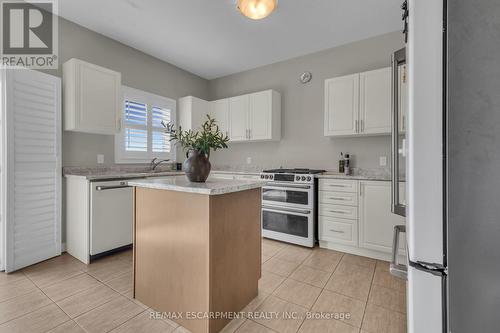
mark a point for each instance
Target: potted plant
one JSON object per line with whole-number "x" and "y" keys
{"x": 197, "y": 145}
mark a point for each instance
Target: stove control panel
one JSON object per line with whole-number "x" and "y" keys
{"x": 288, "y": 177}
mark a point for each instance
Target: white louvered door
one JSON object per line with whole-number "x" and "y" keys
{"x": 32, "y": 172}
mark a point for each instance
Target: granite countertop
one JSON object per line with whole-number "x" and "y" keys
{"x": 212, "y": 186}
{"x": 101, "y": 173}
{"x": 143, "y": 171}
{"x": 337, "y": 175}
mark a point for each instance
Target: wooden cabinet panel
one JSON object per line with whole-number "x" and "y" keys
{"x": 338, "y": 230}
{"x": 375, "y": 102}
{"x": 376, "y": 222}
{"x": 238, "y": 117}
{"x": 342, "y": 105}
{"x": 338, "y": 198}
{"x": 340, "y": 211}
{"x": 261, "y": 115}
{"x": 219, "y": 110}
{"x": 92, "y": 98}
{"x": 338, "y": 185}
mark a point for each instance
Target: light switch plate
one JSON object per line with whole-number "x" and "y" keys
{"x": 383, "y": 160}
{"x": 249, "y": 160}
{"x": 100, "y": 158}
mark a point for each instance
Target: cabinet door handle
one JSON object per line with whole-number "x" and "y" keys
{"x": 336, "y": 185}
{"x": 335, "y": 198}
{"x": 362, "y": 125}
{"x": 357, "y": 126}
{"x": 337, "y": 231}
{"x": 337, "y": 211}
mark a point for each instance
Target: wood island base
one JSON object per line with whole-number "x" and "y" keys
{"x": 196, "y": 254}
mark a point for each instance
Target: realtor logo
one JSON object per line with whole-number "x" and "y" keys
{"x": 29, "y": 34}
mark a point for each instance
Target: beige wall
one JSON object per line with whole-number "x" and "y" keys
{"x": 303, "y": 143}
{"x": 138, "y": 69}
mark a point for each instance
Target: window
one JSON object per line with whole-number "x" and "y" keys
{"x": 142, "y": 136}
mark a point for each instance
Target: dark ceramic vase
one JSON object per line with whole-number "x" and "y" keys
{"x": 196, "y": 166}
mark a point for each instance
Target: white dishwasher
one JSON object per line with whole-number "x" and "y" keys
{"x": 111, "y": 216}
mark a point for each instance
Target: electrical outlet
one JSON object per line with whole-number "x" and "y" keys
{"x": 100, "y": 158}
{"x": 383, "y": 160}
{"x": 249, "y": 160}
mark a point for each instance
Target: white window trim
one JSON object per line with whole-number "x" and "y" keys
{"x": 121, "y": 156}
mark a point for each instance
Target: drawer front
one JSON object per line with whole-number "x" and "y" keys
{"x": 338, "y": 198}
{"x": 338, "y": 231}
{"x": 338, "y": 185}
{"x": 340, "y": 211}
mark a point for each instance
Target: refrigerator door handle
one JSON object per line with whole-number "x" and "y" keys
{"x": 397, "y": 269}
{"x": 397, "y": 59}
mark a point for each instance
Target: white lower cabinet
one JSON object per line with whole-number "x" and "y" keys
{"x": 338, "y": 230}
{"x": 358, "y": 218}
{"x": 376, "y": 221}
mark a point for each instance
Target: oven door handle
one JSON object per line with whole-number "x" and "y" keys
{"x": 285, "y": 185}
{"x": 286, "y": 210}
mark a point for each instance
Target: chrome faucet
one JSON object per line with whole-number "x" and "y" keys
{"x": 155, "y": 162}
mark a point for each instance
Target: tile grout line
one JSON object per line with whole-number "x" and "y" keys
{"x": 346, "y": 323}
{"x": 126, "y": 321}
{"x": 50, "y": 299}
{"x": 29, "y": 311}
{"x": 80, "y": 291}
{"x": 273, "y": 330}
{"x": 368, "y": 298}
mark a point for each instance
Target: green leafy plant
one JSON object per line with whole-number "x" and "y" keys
{"x": 209, "y": 137}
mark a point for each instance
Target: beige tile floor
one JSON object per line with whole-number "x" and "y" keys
{"x": 63, "y": 295}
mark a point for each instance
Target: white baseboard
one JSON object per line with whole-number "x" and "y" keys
{"x": 359, "y": 251}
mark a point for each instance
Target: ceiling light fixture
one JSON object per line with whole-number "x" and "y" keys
{"x": 256, "y": 9}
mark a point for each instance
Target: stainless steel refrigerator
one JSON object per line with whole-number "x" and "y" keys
{"x": 449, "y": 156}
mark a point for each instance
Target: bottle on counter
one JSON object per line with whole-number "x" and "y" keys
{"x": 341, "y": 163}
{"x": 347, "y": 171}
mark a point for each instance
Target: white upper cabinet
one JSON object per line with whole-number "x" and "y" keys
{"x": 250, "y": 117}
{"x": 92, "y": 98}
{"x": 219, "y": 110}
{"x": 376, "y": 222}
{"x": 239, "y": 108}
{"x": 375, "y": 101}
{"x": 192, "y": 112}
{"x": 358, "y": 104}
{"x": 341, "y": 105}
{"x": 265, "y": 116}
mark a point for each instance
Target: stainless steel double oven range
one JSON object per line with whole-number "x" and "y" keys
{"x": 289, "y": 205}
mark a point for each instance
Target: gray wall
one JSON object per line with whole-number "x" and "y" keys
{"x": 303, "y": 143}
{"x": 138, "y": 69}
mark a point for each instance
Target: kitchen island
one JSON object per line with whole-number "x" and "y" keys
{"x": 197, "y": 248}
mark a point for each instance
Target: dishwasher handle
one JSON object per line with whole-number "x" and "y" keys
{"x": 111, "y": 187}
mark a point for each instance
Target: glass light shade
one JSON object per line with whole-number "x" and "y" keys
{"x": 256, "y": 9}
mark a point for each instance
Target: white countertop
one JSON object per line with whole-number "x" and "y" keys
{"x": 123, "y": 175}
{"x": 338, "y": 175}
{"x": 95, "y": 174}
{"x": 212, "y": 186}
